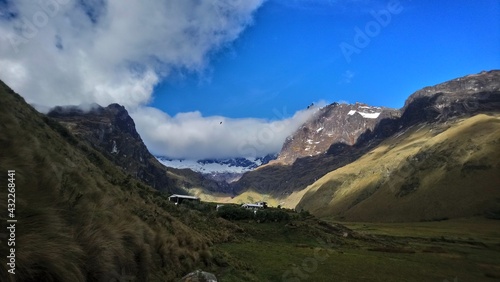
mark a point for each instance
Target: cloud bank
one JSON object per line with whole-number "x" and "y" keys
{"x": 192, "y": 136}
{"x": 69, "y": 52}
{"x": 58, "y": 52}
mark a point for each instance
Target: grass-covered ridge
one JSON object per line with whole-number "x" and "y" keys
{"x": 428, "y": 172}
{"x": 80, "y": 218}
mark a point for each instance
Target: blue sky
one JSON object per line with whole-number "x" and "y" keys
{"x": 181, "y": 67}
{"x": 291, "y": 57}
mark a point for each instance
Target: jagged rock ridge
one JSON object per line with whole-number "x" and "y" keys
{"x": 335, "y": 123}
{"x": 458, "y": 97}
{"x": 112, "y": 131}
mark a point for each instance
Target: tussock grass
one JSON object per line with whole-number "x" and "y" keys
{"x": 80, "y": 218}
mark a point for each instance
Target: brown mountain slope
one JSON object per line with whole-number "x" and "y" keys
{"x": 428, "y": 172}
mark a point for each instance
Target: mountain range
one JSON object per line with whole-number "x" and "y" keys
{"x": 439, "y": 108}
{"x": 91, "y": 202}
{"x": 221, "y": 170}
{"x": 336, "y": 137}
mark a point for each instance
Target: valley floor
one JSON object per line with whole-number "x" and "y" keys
{"x": 451, "y": 250}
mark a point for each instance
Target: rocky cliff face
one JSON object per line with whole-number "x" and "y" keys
{"x": 335, "y": 123}
{"x": 112, "y": 131}
{"x": 460, "y": 97}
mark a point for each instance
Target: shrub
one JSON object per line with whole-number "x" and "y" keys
{"x": 272, "y": 215}
{"x": 203, "y": 207}
{"x": 234, "y": 213}
{"x": 261, "y": 215}
{"x": 304, "y": 214}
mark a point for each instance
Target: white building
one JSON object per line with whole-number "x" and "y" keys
{"x": 180, "y": 198}
{"x": 259, "y": 205}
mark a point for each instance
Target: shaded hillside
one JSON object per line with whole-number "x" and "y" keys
{"x": 112, "y": 131}
{"x": 438, "y": 104}
{"x": 428, "y": 172}
{"x": 80, "y": 218}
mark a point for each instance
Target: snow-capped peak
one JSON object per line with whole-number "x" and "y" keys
{"x": 214, "y": 166}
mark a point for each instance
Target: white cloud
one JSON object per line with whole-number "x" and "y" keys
{"x": 69, "y": 52}
{"x": 57, "y": 52}
{"x": 192, "y": 136}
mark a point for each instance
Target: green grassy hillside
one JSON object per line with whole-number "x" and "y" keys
{"x": 80, "y": 218}
{"x": 428, "y": 172}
